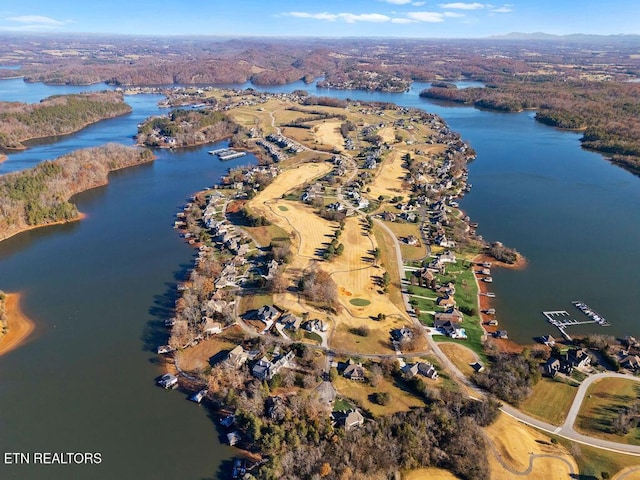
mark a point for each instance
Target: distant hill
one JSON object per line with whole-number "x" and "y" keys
{"x": 574, "y": 37}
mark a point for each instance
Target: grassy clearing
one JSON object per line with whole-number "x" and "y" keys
{"x": 200, "y": 357}
{"x": 378, "y": 340}
{"x": 402, "y": 230}
{"x": 253, "y": 302}
{"x": 388, "y": 258}
{"x": 460, "y": 356}
{"x": 283, "y": 208}
{"x": 361, "y": 392}
{"x": 265, "y": 235}
{"x": 550, "y": 401}
{"x": 592, "y": 461}
{"x": 606, "y": 399}
{"x": 516, "y": 442}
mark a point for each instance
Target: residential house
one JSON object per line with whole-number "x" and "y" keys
{"x": 316, "y": 325}
{"x": 427, "y": 370}
{"x": 631, "y": 362}
{"x": 411, "y": 240}
{"x": 403, "y": 334}
{"x": 290, "y": 321}
{"x": 354, "y": 371}
{"x": 349, "y": 419}
{"x": 446, "y": 301}
{"x": 577, "y": 358}
{"x": 237, "y": 357}
{"x": 267, "y": 314}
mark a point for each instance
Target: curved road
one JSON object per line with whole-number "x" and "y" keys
{"x": 566, "y": 430}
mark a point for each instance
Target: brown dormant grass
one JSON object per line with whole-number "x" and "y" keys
{"x": 515, "y": 442}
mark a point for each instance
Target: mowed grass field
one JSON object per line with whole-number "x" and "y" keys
{"x": 550, "y": 401}
{"x": 288, "y": 180}
{"x": 361, "y": 392}
{"x": 198, "y": 358}
{"x": 515, "y": 442}
{"x": 388, "y": 181}
{"x": 606, "y": 399}
{"x": 460, "y": 355}
{"x": 403, "y": 230}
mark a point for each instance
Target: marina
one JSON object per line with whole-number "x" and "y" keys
{"x": 561, "y": 319}
{"x": 225, "y": 154}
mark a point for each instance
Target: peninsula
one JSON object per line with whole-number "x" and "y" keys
{"x": 57, "y": 115}
{"x": 40, "y": 196}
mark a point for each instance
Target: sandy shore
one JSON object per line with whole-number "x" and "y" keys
{"x": 20, "y": 327}
{"x": 81, "y": 216}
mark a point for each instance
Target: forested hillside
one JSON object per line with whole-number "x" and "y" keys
{"x": 57, "y": 115}
{"x": 185, "y": 128}
{"x": 607, "y": 112}
{"x": 40, "y": 196}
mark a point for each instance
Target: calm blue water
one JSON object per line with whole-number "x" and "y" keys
{"x": 98, "y": 289}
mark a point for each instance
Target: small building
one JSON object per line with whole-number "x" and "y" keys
{"x": 477, "y": 367}
{"x": 548, "y": 340}
{"x": 501, "y": 334}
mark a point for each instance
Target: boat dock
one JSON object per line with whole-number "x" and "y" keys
{"x": 561, "y": 319}
{"x": 227, "y": 153}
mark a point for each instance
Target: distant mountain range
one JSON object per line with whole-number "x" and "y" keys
{"x": 575, "y": 37}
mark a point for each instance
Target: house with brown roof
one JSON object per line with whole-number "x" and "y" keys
{"x": 354, "y": 371}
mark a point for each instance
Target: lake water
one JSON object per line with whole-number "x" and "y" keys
{"x": 99, "y": 289}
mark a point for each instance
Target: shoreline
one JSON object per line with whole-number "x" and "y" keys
{"x": 20, "y": 326}
{"x": 485, "y": 303}
{"x": 81, "y": 216}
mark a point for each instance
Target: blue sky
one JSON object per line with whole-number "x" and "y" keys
{"x": 328, "y": 18}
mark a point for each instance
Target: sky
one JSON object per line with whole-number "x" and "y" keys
{"x": 327, "y": 18}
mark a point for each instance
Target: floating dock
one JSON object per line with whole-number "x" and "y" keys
{"x": 227, "y": 153}
{"x": 561, "y": 319}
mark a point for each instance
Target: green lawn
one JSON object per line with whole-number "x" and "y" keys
{"x": 466, "y": 295}
{"x": 606, "y": 399}
{"x": 592, "y": 461}
{"x": 550, "y": 401}
{"x": 359, "y": 302}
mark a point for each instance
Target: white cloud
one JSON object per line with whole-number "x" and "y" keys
{"x": 402, "y": 20}
{"x": 347, "y": 17}
{"x": 38, "y": 20}
{"x": 463, "y": 6}
{"x": 418, "y": 4}
{"x": 503, "y": 9}
{"x": 316, "y": 16}
{"x": 429, "y": 17}
{"x": 453, "y": 14}
{"x": 397, "y": 2}
{"x": 364, "y": 17}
